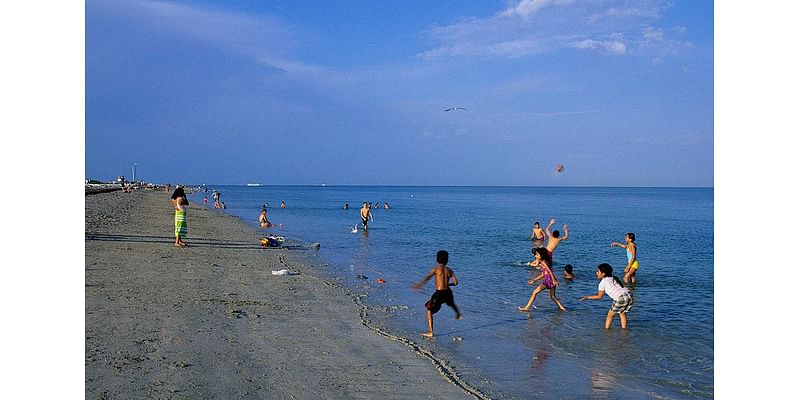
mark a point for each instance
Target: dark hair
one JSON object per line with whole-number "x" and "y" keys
{"x": 631, "y": 235}
{"x": 568, "y": 268}
{"x": 179, "y": 193}
{"x": 442, "y": 256}
{"x": 544, "y": 254}
{"x": 536, "y": 223}
{"x": 608, "y": 271}
{"x": 556, "y": 233}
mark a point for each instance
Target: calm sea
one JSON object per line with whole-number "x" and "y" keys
{"x": 668, "y": 350}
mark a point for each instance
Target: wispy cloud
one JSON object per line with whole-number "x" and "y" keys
{"x": 532, "y": 27}
{"x": 265, "y": 39}
{"x": 608, "y": 46}
{"x": 526, "y": 8}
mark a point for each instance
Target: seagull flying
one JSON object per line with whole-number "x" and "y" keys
{"x": 455, "y": 108}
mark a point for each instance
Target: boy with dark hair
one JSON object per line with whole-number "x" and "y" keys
{"x": 568, "y": 272}
{"x": 443, "y": 295}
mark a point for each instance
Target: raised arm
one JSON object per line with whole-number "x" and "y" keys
{"x": 566, "y": 233}
{"x": 550, "y": 225}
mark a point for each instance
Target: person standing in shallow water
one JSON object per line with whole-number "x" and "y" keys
{"x": 180, "y": 203}
{"x": 366, "y": 214}
{"x": 611, "y": 285}
{"x": 537, "y": 235}
{"x": 630, "y": 251}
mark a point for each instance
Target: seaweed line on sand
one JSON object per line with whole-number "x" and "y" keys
{"x": 446, "y": 371}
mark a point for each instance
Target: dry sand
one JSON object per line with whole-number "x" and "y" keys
{"x": 211, "y": 321}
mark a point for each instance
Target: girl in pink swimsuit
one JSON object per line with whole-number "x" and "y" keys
{"x": 543, "y": 261}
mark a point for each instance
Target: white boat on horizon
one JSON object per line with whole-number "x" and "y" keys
{"x": 254, "y": 184}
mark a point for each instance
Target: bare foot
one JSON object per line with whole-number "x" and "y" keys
{"x": 459, "y": 316}
{"x": 523, "y": 309}
{"x": 428, "y": 334}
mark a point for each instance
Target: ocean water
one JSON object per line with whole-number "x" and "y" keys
{"x": 668, "y": 350}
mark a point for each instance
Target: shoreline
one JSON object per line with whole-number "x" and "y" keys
{"x": 211, "y": 320}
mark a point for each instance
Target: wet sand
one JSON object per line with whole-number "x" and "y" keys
{"x": 211, "y": 321}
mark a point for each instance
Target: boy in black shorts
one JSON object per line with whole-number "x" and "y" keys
{"x": 443, "y": 294}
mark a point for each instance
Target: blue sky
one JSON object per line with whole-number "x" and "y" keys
{"x": 284, "y": 92}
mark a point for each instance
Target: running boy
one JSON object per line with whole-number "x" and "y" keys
{"x": 633, "y": 263}
{"x": 443, "y": 294}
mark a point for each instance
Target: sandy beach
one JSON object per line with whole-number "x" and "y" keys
{"x": 211, "y": 320}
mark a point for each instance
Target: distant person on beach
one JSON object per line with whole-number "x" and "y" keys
{"x": 443, "y": 295}
{"x": 215, "y": 196}
{"x": 205, "y": 200}
{"x": 222, "y": 205}
{"x": 283, "y": 204}
{"x": 180, "y": 202}
{"x": 568, "y": 275}
{"x": 630, "y": 251}
{"x": 543, "y": 261}
{"x": 262, "y": 218}
{"x": 366, "y": 215}
{"x": 554, "y": 237}
{"x": 611, "y": 285}
{"x": 537, "y": 235}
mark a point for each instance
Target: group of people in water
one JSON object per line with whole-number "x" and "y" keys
{"x": 545, "y": 243}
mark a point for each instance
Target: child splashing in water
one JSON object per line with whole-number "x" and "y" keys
{"x": 543, "y": 261}
{"x": 611, "y": 285}
{"x": 443, "y": 276}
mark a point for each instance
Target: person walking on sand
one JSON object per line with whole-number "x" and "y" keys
{"x": 366, "y": 215}
{"x": 537, "y": 234}
{"x": 180, "y": 202}
{"x": 630, "y": 250}
{"x": 554, "y": 237}
{"x": 543, "y": 261}
{"x": 443, "y": 295}
{"x": 610, "y": 284}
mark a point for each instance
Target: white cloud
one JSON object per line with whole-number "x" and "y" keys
{"x": 613, "y": 12}
{"x": 651, "y": 33}
{"x": 610, "y": 46}
{"x": 533, "y": 27}
{"x": 526, "y": 8}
